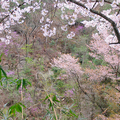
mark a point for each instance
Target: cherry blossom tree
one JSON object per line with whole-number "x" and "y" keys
{"x": 111, "y": 55}
{"x": 102, "y": 20}
{"x": 107, "y": 20}
{"x": 69, "y": 64}
{"x": 107, "y": 23}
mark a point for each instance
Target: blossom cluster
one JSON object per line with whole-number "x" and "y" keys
{"x": 110, "y": 55}
{"x": 69, "y": 63}
{"x": 71, "y": 35}
{"x": 99, "y": 73}
{"x": 47, "y": 32}
{"x": 14, "y": 16}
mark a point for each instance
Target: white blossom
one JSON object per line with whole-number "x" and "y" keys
{"x": 71, "y": 22}
{"x": 8, "y": 37}
{"x": 7, "y": 42}
{"x": 42, "y": 19}
{"x": 62, "y": 16}
{"x": 44, "y": 12}
{"x": 20, "y": 22}
{"x": 5, "y": 5}
{"x": 66, "y": 17}
{"x": 2, "y": 39}
{"x": 71, "y": 35}
{"x": 101, "y": 3}
{"x": 49, "y": 21}
{"x": 64, "y": 28}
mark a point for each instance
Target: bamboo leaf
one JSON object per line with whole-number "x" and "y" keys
{"x": 18, "y": 108}
{"x": 4, "y": 73}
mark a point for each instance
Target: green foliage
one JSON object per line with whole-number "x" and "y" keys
{"x": 106, "y": 7}
{"x": 17, "y": 107}
{"x": 71, "y": 47}
{"x": 100, "y": 61}
{"x": 12, "y": 4}
{"x": 83, "y": 54}
{"x": 66, "y": 111}
{"x": 56, "y": 71}
{"x": 97, "y": 61}
{"x": 79, "y": 20}
{"x": 28, "y": 47}
{"x": 52, "y": 99}
{"x": 69, "y": 112}
{"x": 29, "y": 60}
{"x": 60, "y": 86}
{"x": 106, "y": 81}
{"x": 118, "y": 82}
{"x": 22, "y": 82}
{"x": 1, "y": 56}
{"x": 42, "y": 67}
{"x": 2, "y": 72}
{"x": 52, "y": 43}
{"x": 41, "y": 63}
{"x": 27, "y": 70}
{"x": 5, "y": 114}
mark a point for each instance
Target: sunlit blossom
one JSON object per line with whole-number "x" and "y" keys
{"x": 114, "y": 4}
{"x": 20, "y": 22}
{"x": 55, "y": 4}
{"x": 1, "y": 27}
{"x": 63, "y": 9}
{"x": 69, "y": 63}
{"x": 101, "y": 3}
{"x": 2, "y": 39}
{"x": 42, "y": 19}
{"x": 64, "y": 28}
{"x": 72, "y": 22}
{"x": 7, "y": 42}
{"x": 49, "y": 21}
{"x": 74, "y": 16}
{"x": 62, "y": 16}
{"x": 44, "y": 12}
{"x": 8, "y": 37}
{"x": 71, "y": 35}
{"x": 5, "y": 5}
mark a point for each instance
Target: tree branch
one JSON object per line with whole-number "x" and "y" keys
{"x": 106, "y": 1}
{"x": 103, "y": 16}
{"x": 11, "y": 12}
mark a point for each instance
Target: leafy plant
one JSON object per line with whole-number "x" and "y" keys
{"x": 17, "y": 107}
{"x": 60, "y": 86}
{"x": 28, "y": 48}
{"x": 52, "y": 43}
{"x": 2, "y": 72}
{"x": 22, "y": 82}
{"x": 56, "y": 71}
{"x": 53, "y": 105}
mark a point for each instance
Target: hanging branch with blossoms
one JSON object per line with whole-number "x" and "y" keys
{"x": 106, "y": 22}
{"x": 105, "y": 15}
{"x": 14, "y": 15}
